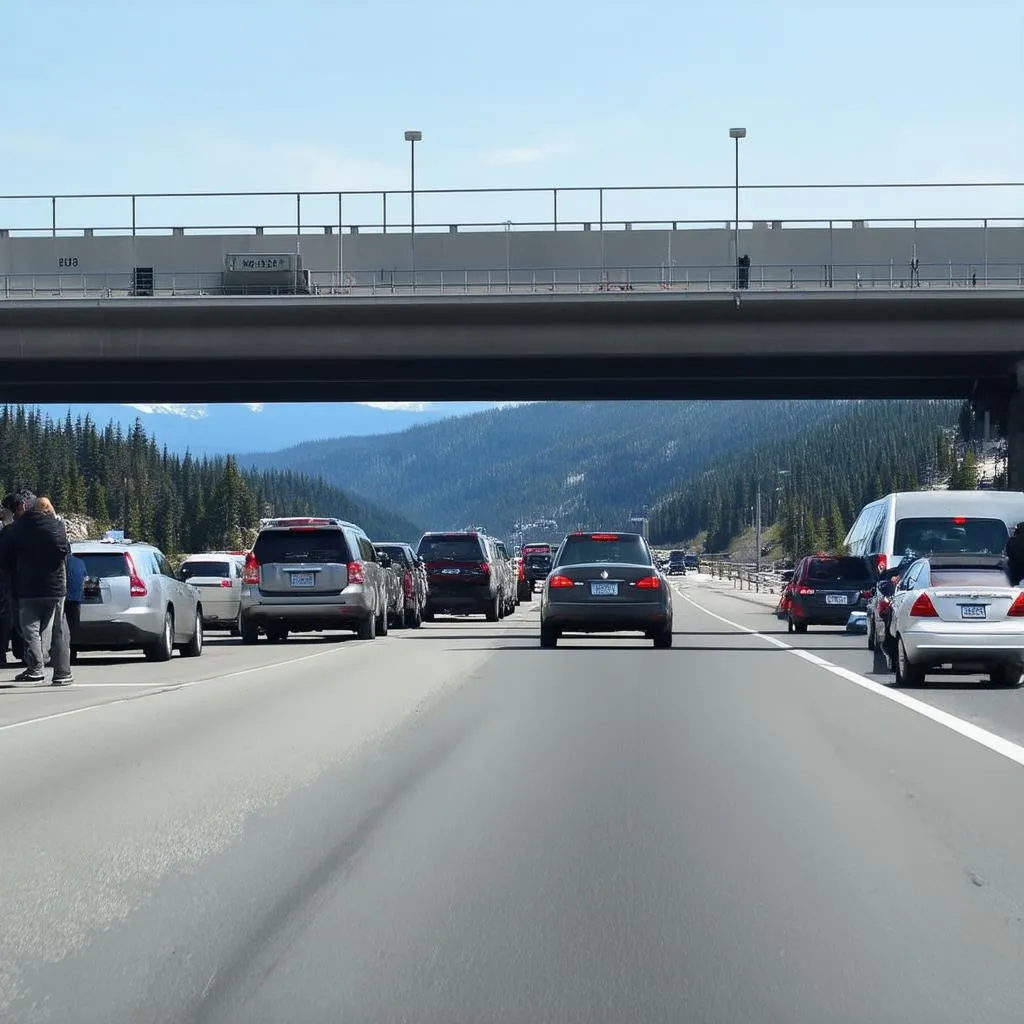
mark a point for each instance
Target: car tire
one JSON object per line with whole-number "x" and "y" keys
{"x": 871, "y": 632}
{"x": 250, "y": 632}
{"x": 493, "y": 612}
{"x": 382, "y": 622}
{"x": 548, "y": 637}
{"x": 401, "y": 619}
{"x": 1010, "y": 676}
{"x": 236, "y": 629}
{"x": 194, "y": 648}
{"x": 368, "y": 628}
{"x": 162, "y": 649}
{"x": 907, "y": 674}
{"x": 663, "y": 638}
{"x": 277, "y": 636}
{"x": 417, "y": 619}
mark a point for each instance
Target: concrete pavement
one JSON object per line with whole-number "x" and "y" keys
{"x": 453, "y": 825}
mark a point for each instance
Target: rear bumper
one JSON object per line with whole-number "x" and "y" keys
{"x": 837, "y": 615}
{"x": 349, "y": 611}
{"x": 963, "y": 648}
{"x": 467, "y": 599}
{"x": 113, "y": 635}
{"x": 606, "y": 618}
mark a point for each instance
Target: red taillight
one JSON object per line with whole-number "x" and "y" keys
{"x": 604, "y": 536}
{"x": 522, "y": 572}
{"x": 251, "y": 573}
{"x": 225, "y": 583}
{"x": 485, "y": 567}
{"x": 407, "y": 584}
{"x": 556, "y": 582}
{"x": 923, "y": 608}
{"x": 649, "y": 583}
{"x": 867, "y": 593}
{"x": 805, "y": 591}
{"x": 355, "y": 572}
{"x": 138, "y": 587}
{"x": 1017, "y": 608}
{"x": 881, "y": 563}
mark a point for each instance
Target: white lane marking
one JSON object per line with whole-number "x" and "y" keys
{"x": 997, "y": 744}
{"x": 166, "y": 687}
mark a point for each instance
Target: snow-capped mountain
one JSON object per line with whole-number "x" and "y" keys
{"x": 247, "y": 427}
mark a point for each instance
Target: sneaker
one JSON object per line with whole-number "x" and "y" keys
{"x": 62, "y": 680}
{"x": 29, "y": 677}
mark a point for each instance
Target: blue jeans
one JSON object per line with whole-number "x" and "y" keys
{"x": 43, "y": 629}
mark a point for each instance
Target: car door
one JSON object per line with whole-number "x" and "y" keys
{"x": 903, "y": 598}
{"x": 184, "y": 598}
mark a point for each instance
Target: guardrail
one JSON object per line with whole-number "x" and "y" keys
{"x": 509, "y": 281}
{"x": 550, "y": 208}
{"x": 767, "y": 581}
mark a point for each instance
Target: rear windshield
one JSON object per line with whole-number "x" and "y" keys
{"x": 839, "y": 570}
{"x": 303, "y": 545}
{"x": 969, "y": 578}
{"x": 538, "y": 558}
{"x": 948, "y": 536}
{"x": 455, "y": 548}
{"x": 103, "y": 566}
{"x": 396, "y": 551}
{"x": 627, "y": 549}
{"x": 221, "y": 570}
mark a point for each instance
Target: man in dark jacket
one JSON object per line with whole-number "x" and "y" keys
{"x": 6, "y": 594}
{"x": 33, "y": 551}
{"x": 1015, "y": 555}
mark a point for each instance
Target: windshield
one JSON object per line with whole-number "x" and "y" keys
{"x": 454, "y": 548}
{"x": 626, "y": 549}
{"x": 221, "y": 570}
{"x": 839, "y": 570}
{"x": 953, "y": 536}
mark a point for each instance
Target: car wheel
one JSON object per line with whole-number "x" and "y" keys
{"x": 907, "y": 674}
{"x": 663, "y": 638}
{"x": 871, "y": 632}
{"x": 382, "y": 623}
{"x": 417, "y": 618}
{"x": 249, "y": 630}
{"x": 401, "y": 619}
{"x": 277, "y": 636}
{"x": 236, "y": 629}
{"x": 194, "y": 648}
{"x": 368, "y": 628}
{"x": 494, "y": 611}
{"x": 1010, "y": 676}
{"x": 548, "y": 637}
{"x": 163, "y": 648}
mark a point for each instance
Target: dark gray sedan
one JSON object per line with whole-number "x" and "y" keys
{"x": 605, "y": 583}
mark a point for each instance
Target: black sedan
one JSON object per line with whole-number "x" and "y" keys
{"x": 605, "y": 583}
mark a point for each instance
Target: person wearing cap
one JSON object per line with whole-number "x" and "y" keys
{"x": 34, "y": 551}
{"x": 1015, "y": 555}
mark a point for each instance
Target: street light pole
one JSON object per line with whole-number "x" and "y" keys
{"x": 757, "y": 531}
{"x": 412, "y": 137}
{"x": 736, "y": 134}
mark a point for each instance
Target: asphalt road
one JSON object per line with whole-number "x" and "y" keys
{"x": 451, "y": 825}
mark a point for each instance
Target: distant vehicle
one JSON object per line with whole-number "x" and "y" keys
{"x": 536, "y": 563}
{"x": 311, "y": 573}
{"x": 605, "y": 583}
{"x": 414, "y": 580}
{"x": 524, "y": 589}
{"x": 464, "y": 575}
{"x": 218, "y": 577}
{"x": 692, "y": 561}
{"x": 677, "y": 563}
{"x": 134, "y": 600}
{"x": 825, "y": 589}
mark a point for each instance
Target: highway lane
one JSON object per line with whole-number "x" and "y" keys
{"x": 453, "y": 825}
{"x": 971, "y": 698}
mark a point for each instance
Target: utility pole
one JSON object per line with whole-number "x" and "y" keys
{"x": 757, "y": 530}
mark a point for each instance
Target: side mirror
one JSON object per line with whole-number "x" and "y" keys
{"x": 887, "y": 588}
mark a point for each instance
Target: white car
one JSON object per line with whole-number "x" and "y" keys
{"x": 960, "y": 611}
{"x": 218, "y": 578}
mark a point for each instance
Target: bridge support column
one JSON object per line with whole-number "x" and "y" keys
{"x": 1015, "y": 437}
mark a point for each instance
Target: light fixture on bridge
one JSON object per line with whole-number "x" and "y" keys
{"x": 412, "y": 137}
{"x": 736, "y": 134}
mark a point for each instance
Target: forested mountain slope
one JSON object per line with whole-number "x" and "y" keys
{"x": 579, "y": 463}
{"x": 180, "y": 503}
{"x": 815, "y": 480}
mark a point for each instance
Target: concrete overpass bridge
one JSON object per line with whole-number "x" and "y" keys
{"x": 598, "y": 309}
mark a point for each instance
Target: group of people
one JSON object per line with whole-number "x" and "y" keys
{"x": 41, "y": 589}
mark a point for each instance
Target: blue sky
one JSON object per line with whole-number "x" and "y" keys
{"x": 229, "y": 95}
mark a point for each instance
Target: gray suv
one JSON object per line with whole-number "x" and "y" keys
{"x": 310, "y": 574}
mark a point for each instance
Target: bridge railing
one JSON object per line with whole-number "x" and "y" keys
{"x": 889, "y": 276}
{"x": 746, "y": 577}
{"x": 557, "y": 208}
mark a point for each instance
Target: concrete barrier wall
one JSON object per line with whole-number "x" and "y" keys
{"x": 867, "y": 251}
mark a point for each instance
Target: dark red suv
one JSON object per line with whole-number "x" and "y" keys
{"x": 825, "y": 589}
{"x": 463, "y": 576}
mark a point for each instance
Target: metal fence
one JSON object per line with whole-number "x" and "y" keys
{"x": 558, "y": 208}
{"x": 746, "y": 577}
{"x": 850, "y": 278}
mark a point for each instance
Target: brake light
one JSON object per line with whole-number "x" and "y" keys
{"x": 1017, "y": 608}
{"x": 923, "y": 608}
{"x": 604, "y": 536}
{"x": 558, "y": 582}
{"x": 805, "y": 591}
{"x": 881, "y": 564}
{"x": 407, "y": 584}
{"x": 225, "y": 583}
{"x": 485, "y": 567}
{"x": 649, "y": 583}
{"x": 959, "y": 520}
{"x": 137, "y": 587}
{"x": 867, "y": 593}
{"x": 251, "y": 573}
{"x": 355, "y": 572}
{"x": 522, "y": 572}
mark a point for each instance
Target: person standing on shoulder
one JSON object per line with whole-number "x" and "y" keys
{"x": 7, "y": 612}
{"x": 34, "y": 551}
{"x": 74, "y": 570}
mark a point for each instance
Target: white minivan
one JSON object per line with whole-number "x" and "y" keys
{"x": 917, "y": 523}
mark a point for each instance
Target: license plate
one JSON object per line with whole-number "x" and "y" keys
{"x": 973, "y": 611}
{"x": 302, "y": 579}
{"x": 604, "y": 589}
{"x": 835, "y": 599}
{"x": 450, "y": 572}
